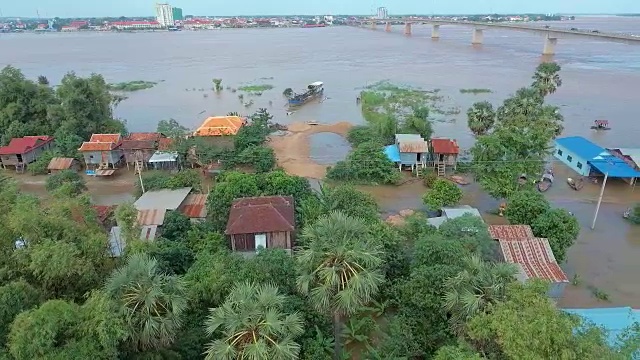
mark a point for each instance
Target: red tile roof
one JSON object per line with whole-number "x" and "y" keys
{"x": 25, "y": 144}
{"x": 534, "y": 257}
{"x": 261, "y": 215}
{"x": 445, "y": 146}
{"x": 510, "y": 232}
{"x": 101, "y": 142}
{"x": 138, "y": 144}
{"x": 103, "y": 212}
{"x": 194, "y": 206}
{"x": 60, "y": 163}
{"x": 144, "y": 136}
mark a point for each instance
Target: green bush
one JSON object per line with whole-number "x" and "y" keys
{"x": 429, "y": 178}
{"x": 367, "y": 163}
{"x": 262, "y": 158}
{"x": 361, "y": 134}
{"x": 39, "y": 167}
{"x": 70, "y": 181}
{"x": 443, "y": 193}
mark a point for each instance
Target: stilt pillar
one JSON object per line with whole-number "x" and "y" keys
{"x": 387, "y": 27}
{"x": 549, "y": 45}
{"x": 478, "y": 36}
{"x": 435, "y": 32}
{"x": 407, "y": 28}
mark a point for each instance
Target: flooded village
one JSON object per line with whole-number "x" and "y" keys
{"x": 524, "y": 177}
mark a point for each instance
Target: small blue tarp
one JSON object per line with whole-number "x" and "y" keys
{"x": 392, "y": 152}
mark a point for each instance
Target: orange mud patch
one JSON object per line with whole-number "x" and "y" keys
{"x": 292, "y": 149}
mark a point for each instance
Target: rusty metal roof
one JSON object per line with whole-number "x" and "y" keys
{"x": 261, "y": 215}
{"x": 445, "y": 146}
{"x": 194, "y": 206}
{"x": 534, "y": 258}
{"x": 411, "y": 143}
{"x": 510, "y": 232}
{"x": 151, "y": 217}
{"x": 60, "y": 163}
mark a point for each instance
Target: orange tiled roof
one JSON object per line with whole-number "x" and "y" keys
{"x": 220, "y": 125}
{"x": 101, "y": 142}
{"x": 510, "y": 232}
{"x": 534, "y": 257}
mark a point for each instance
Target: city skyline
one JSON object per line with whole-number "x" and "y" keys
{"x": 114, "y": 8}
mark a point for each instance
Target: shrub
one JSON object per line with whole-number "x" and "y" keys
{"x": 367, "y": 163}
{"x": 442, "y": 193}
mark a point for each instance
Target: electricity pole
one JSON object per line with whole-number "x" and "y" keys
{"x": 595, "y": 216}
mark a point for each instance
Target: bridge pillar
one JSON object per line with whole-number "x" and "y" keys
{"x": 478, "y": 36}
{"x": 549, "y": 45}
{"x": 407, "y": 28}
{"x": 373, "y": 25}
{"x": 387, "y": 27}
{"x": 435, "y": 32}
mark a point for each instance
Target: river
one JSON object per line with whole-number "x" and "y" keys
{"x": 600, "y": 81}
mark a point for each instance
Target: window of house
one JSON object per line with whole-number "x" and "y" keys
{"x": 569, "y": 158}
{"x": 559, "y": 152}
{"x": 579, "y": 165}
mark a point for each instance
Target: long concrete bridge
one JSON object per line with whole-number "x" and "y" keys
{"x": 551, "y": 35}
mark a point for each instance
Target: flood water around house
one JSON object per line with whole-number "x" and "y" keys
{"x": 327, "y": 148}
{"x": 600, "y": 81}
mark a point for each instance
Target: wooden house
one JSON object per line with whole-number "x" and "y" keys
{"x": 102, "y": 151}
{"x": 444, "y": 153}
{"x": 139, "y": 147}
{"x": 24, "y": 150}
{"x": 261, "y": 222}
{"x": 58, "y": 164}
{"x": 414, "y": 150}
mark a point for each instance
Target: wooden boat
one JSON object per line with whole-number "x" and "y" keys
{"x": 601, "y": 125}
{"x": 312, "y": 123}
{"x": 545, "y": 183}
{"x": 575, "y": 185}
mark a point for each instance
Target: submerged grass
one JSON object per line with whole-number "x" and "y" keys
{"x": 475, "y": 91}
{"x": 132, "y": 85}
{"x": 256, "y": 88}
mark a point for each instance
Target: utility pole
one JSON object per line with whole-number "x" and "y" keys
{"x": 595, "y": 216}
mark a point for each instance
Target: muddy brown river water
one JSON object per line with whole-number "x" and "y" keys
{"x": 600, "y": 81}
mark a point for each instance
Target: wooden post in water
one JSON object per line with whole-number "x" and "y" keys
{"x": 595, "y": 216}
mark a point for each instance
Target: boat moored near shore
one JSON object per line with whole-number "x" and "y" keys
{"x": 314, "y": 90}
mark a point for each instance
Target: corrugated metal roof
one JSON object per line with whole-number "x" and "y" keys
{"x": 445, "y": 146}
{"x": 411, "y": 143}
{"x": 452, "y": 213}
{"x": 261, "y": 215}
{"x": 194, "y": 206}
{"x": 510, "y": 232}
{"x": 162, "y": 199}
{"x": 164, "y": 156}
{"x": 534, "y": 258}
{"x": 581, "y": 147}
{"x": 632, "y": 153}
{"x": 138, "y": 144}
{"x": 151, "y": 217}
{"x": 148, "y": 232}
{"x": 25, "y": 144}
{"x": 614, "y": 320}
{"x": 60, "y": 163}
{"x": 144, "y": 136}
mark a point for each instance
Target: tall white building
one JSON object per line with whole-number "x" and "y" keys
{"x": 382, "y": 13}
{"x": 164, "y": 14}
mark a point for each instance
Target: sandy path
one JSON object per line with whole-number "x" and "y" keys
{"x": 292, "y": 149}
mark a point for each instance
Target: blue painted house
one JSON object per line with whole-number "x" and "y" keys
{"x": 589, "y": 159}
{"x": 414, "y": 150}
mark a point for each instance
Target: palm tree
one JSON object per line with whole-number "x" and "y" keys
{"x": 473, "y": 289}
{"x": 340, "y": 268}
{"x": 253, "y": 326}
{"x": 546, "y": 78}
{"x": 152, "y": 302}
{"x": 481, "y": 117}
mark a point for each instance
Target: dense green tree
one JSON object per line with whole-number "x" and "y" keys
{"x": 340, "y": 268}
{"x": 481, "y": 117}
{"x": 457, "y": 353}
{"x": 367, "y": 163}
{"x": 473, "y": 233}
{"x": 70, "y": 179}
{"x": 172, "y": 129}
{"x": 546, "y": 78}
{"x": 15, "y": 297}
{"x": 362, "y": 133}
{"x": 344, "y": 198}
{"x": 151, "y": 302}
{"x": 524, "y": 207}
{"x": 443, "y": 193}
{"x": 527, "y": 325}
{"x": 252, "y": 325}
{"x": 475, "y": 288}
{"x": 176, "y": 225}
{"x": 560, "y": 227}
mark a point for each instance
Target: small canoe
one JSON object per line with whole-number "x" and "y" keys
{"x": 600, "y": 128}
{"x": 543, "y": 185}
{"x": 575, "y": 185}
{"x": 313, "y": 123}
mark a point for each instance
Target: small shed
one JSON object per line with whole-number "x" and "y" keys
{"x": 534, "y": 259}
{"x": 261, "y": 222}
{"x": 444, "y": 152}
{"x": 58, "y": 164}
{"x": 165, "y": 160}
{"x": 414, "y": 150}
{"x": 102, "y": 151}
{"x": 25, "y": 150}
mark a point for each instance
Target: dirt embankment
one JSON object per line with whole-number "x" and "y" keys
{"x": 293, "y": 148}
